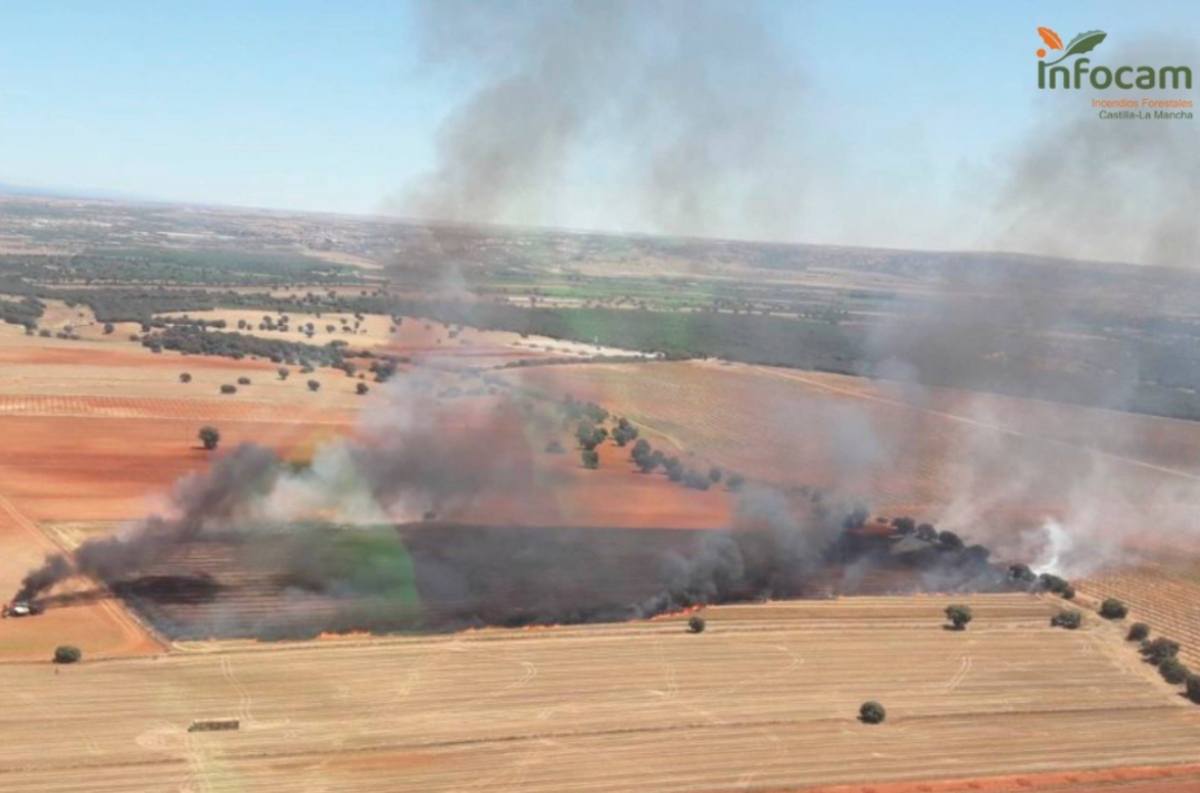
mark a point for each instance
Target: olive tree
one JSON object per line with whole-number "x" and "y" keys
{"x": 210, "y": 437}
{"x": 959, "y": 615}
{"x": 1113, "y": 609}
{"x": 871, "y": 713}
{"x": 67, "y": 654}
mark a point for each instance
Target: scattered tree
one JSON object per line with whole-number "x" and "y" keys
{"x": 959, "y": 615}
{"x": 696, "y": 624}
{"x": 1113, "y": 609}
{"x": 591, "y": 458}
{"x": 1067, "y": 618}
{"x": 283, "y": 372}
{"x": 554, "y": 447}
{"x": 1193, "y": 688}
{"x": 243, "y": 381}
{"x": 361, "y": 389}
{"x": 1021, "y": 573}
{"x": 228, "y": 389}
{"x": 184, "y": 377}
{"x": 1138, "y": 632}
{"x": 314, "y": 385}
{"x": 735, "y": 482}
{"x": 949, "y": 541}
{"x": 1156, "y": 651}
{"x": 674, "y": 468}
{"x": 210, "y": 437}
{"x": 927, "y": 532}
{"x": 624, "y": 432}
{"x": 904, "y": 525}
{"x": 67, "y": 654}
{"x": 108, "y": 328}
{"x": 871, "y": 713}
{"x": 715, "y": 474}
{"x": 1173, "y": 671}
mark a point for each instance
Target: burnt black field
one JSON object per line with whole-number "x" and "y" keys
{"x": 437, "y": 577}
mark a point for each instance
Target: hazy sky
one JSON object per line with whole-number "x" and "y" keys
{"x": 907, "y": 113}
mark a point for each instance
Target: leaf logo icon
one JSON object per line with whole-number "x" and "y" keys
{"x": 1051, "y": 38}
{"x": 1084, "y": 42}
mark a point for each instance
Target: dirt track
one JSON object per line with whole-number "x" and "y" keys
{"x": 765, "y": 699}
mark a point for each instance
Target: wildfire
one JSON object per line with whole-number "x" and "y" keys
{"x": 683, "y": 612}
{"x": 330, "y": 635}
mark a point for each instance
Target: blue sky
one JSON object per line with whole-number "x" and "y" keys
{"x": 331, "y": 106}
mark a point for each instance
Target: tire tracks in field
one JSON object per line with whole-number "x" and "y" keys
{"x": 244, "y": 699}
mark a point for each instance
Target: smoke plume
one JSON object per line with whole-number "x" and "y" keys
{"x": 659, "y": 115}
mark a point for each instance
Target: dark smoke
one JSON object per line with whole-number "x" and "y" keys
{"x": 661, "y": 115}
{"x": 400, "y": 466}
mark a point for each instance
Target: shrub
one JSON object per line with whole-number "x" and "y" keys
{"x": 674, "y": 468}
{"x": 1052, "y": 583}
{"x": 314, "y": 385}
{"x": 871, "y": 713}
{"x": 904, "y": 525}
{"x": 1113, "y": 609}
{"x": 949, "y": 541}
{"x": 1138, "y": 631}
{"x": 228, "y": 389}
{"x": 1173, "y": 671}
{"x": 361, "y": 389}
{"x": 926, "y": 532}
{"x": 210, "y": 437}
{"x": 735, "y": 482}
{"x": 1159, "y": 650}
{"x": 1193, "y": 688}
{"x": 696, "y": 624}
{"x": 185, "y": 377}
{"x": 591, "y": 458}
{"x": 67, "y": 654}
{"x": 695, "y": 480}
{"x": 1067, "y": 618}
{"x": 1021, "y": 573}
{"x": 959, "y": 615}
{"x": 243, "y": 381}
{"x": 554, "y": 447}
{"x": 714, "y": 474}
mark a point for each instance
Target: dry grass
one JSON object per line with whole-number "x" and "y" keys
{"x": 765, "y": 698}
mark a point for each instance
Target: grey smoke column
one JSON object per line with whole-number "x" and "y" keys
{"x": 659, "y": 115}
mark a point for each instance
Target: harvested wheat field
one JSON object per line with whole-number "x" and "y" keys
{"x": 1165, "y": 596}
{"x": 766, "y": 699}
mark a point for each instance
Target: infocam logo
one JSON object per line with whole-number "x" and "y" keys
{"x": 1080, "y": 71}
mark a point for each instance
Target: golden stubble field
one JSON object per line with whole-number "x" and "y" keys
{"x": 765, "y": 699}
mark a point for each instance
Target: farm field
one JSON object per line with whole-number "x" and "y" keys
{"x": 1162, "y": 595}
{"x": 984, "y": 465}
{"x": 414, "y": 337}
{"x": 766, "y": 698}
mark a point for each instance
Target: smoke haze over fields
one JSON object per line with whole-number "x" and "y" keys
{"x": 1117, "y": 190}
